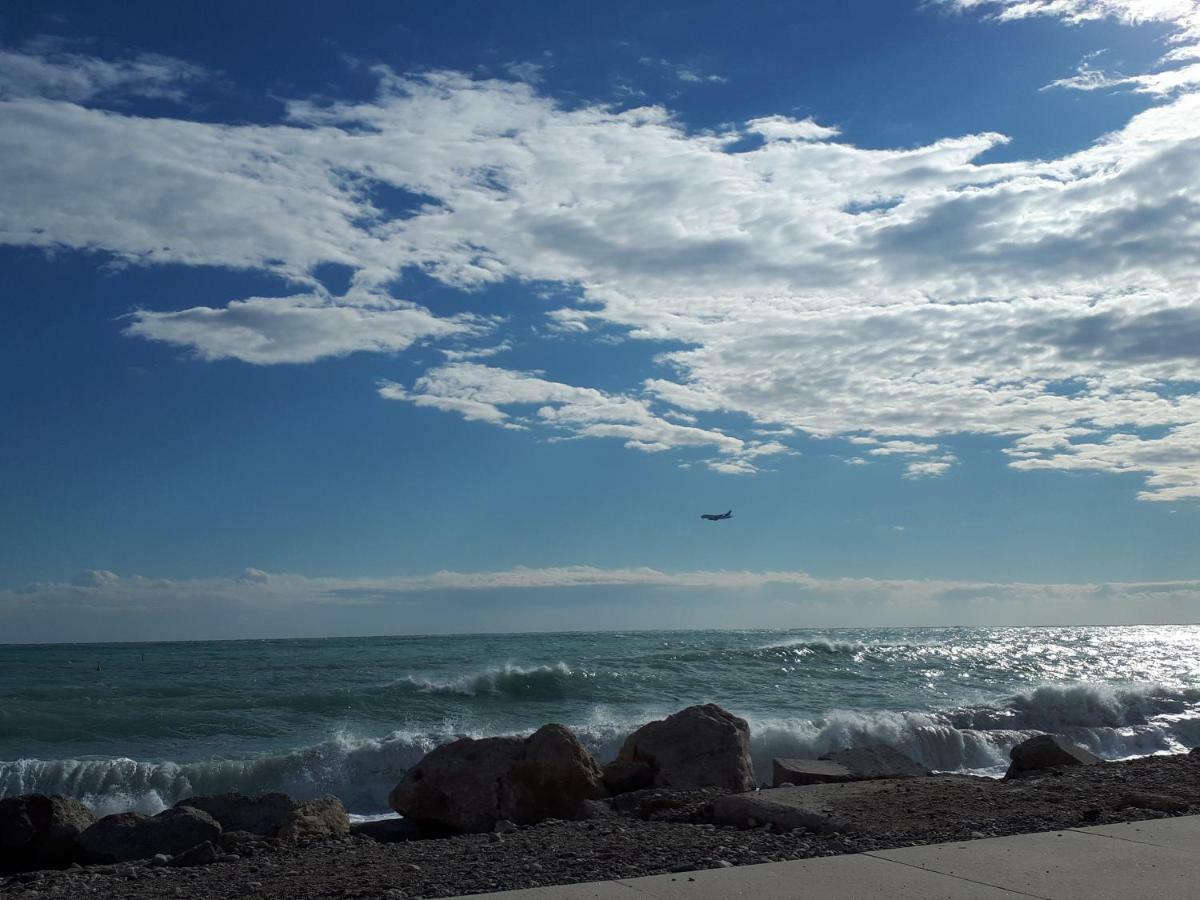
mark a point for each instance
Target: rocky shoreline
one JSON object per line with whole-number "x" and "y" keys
{"x": 274, "y": 847}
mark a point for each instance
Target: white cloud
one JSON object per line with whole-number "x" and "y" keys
{"x": 781, "y": 128}
{"x": 807, "y": 285}
{"x": 263, "y": 604}
{"x": 296, "y": 329}
{"x": 45, "y": 69}
{"x": 478, "y": 392}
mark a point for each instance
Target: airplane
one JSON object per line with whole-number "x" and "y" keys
{"x": 715, "y": 518}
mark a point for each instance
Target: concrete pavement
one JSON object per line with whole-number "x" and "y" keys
{"x": 1155, "y": 859}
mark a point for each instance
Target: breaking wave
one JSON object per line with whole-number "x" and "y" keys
{"x": 509, "y": 680}
{"x": 1112, "y": 722}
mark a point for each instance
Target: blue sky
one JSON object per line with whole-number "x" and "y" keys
{"x": 308, "y": 306}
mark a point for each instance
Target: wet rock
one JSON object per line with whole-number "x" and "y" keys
{"x": 1047, "y": 751}
{"x": 39, "y": 832}
{"x": 470, "y": 785}
{"x": 701, "y": 746}
{"x": 131, "y": 835}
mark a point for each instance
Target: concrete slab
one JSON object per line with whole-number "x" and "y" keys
{"x": 877, "y": 761}
{"x": 1062, "y": 865}
{"x": 1182, "y": 833}
{"x": 813, "y": 806}
{"x": 836, "y": 878}
{"x": 808, "y": 771}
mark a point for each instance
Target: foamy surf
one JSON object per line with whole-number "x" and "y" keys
{"x": 1113, "y": 722}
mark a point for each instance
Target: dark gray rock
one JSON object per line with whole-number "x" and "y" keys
{"x": 394, "y": 831}
{"x": 39, "y": 832}
{"x": 622, "y": 776}
{"x": 200, "y": 855}
{"x": 275, "y": 815}
{"x": 131, "y": 835}
{"x": 470, "y": 785}
{"x": 1047, "y": 751}
{"x": 701, "y": 746}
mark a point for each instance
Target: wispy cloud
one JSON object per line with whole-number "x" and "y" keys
{"x": 52, "y": 69}
{"x": 682, "y": 71}
{"x": 101, "y": 605}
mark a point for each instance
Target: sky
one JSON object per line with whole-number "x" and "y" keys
{"x": 395, "y": 318}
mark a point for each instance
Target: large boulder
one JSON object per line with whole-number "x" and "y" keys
{"x": 274, "y": 814}
{"x": 1047, "y": 751}
{"x": 470, "y": 785}
{"x": 131, "y": 835}
{"x": 701, "y": 746}
{"x": 39, "y": 832}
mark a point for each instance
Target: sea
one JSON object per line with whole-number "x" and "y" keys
{"x": 141, "y": 726}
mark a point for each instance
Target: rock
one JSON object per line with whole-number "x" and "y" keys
{"x": 1046, "y": 751}
{"x": 470, "y": 785}
{"x": 623, "y": 775}
{"x": 701, "y": 746}
{"x": 160, "y": 859}
{"x": 1159, "y": 802}
{"x": 393, "y": 831}
{"x": 506, "y": 827}
{"x": 274, "y": 815}
{"x": 596, "y": 809}
{"x": 796, "y": 772}
{"x": 130, "y": 835}
{"x": 877, "y": 761}
{"x": 200, "y": 855}
{"x": 323, "y": 817}
{"x": 39, "y": 832}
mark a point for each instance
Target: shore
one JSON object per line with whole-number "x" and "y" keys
{"x": 657, "y": 832}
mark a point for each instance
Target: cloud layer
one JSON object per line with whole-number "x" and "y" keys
{"x": 804, "y": 285}
{"x": 100, "y": 605}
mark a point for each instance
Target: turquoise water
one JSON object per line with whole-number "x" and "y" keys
{"x": 142, "y": 725}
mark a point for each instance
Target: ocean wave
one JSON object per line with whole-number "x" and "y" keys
{"x": 509, "y": 680}
{"x": 1114, "y": 723}
{"x": 807, "y": 646}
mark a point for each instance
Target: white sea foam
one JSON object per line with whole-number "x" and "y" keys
{"x": 1112, "y": 722}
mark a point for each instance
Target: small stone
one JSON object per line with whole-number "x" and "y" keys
{"x": 504, "y": 826}
{"x": 412, "y": 867}
{"x": 495, "y": 837}
{"x": 228, "y": 857}
{"x": 254, "y": 885}
{"x": 160, "y": 859}
{"x": 724, "y": 864}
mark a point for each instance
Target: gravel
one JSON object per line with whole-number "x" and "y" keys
{"x": 675, "y": 839}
